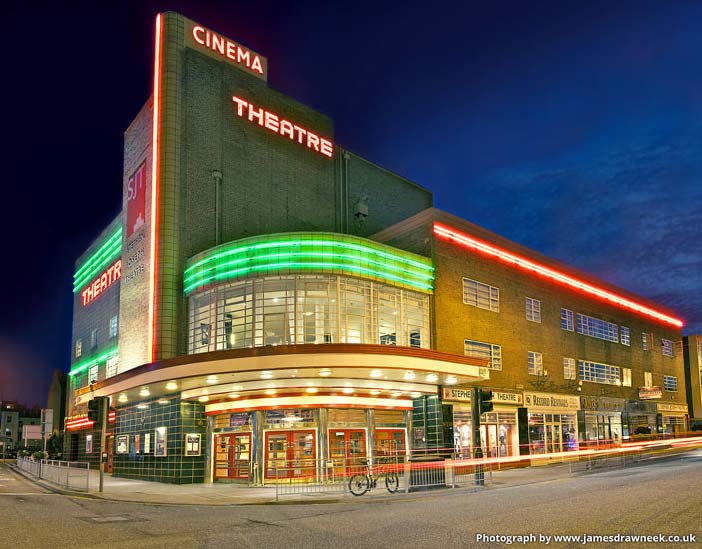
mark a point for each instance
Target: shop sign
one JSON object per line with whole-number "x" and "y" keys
{"x": 456, "y": 395}
{"x": 649, "y": 393}
{"x": 507, "y": 397}
{"x": 551, "y": 401}
{"x": 679, "y": 408}
{"x": 279, "y": 125}
{"x": 605, "y": 404}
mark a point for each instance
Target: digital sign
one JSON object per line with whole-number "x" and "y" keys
{"x": 102, "y": 282}
{"x": 279, "y": 125}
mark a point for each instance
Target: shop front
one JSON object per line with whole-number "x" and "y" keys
{"x": 600, "y": 421}
{"x": 499, "y": 435}
{"x": 641, "y": 417}
{"x": 552, "y": 422}
{"x": 674, "y": 418}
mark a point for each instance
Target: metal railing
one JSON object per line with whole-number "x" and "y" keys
{"x": 74, "y": 475}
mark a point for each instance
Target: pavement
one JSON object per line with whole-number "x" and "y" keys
{"x": 139, "y": 491}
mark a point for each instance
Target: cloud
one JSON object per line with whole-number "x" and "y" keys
{"x": 629, "y": 214}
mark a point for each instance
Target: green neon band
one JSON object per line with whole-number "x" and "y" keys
{"x": 383, "y": 266}
{"x": 93, "y": 361}
{"x": 107, "y": 252}
{"x": 316, "y": 243}
{"x": 307, "y": 252}
{"x": 114, "y": 237}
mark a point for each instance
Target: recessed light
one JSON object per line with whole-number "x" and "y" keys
{"x": 144, "y": 392}
{"x": 311, "y": 389}
{"x": 234, "y": 395}
{"x": 171, "y": 386}
{"x": 266, "y": 375}
{"x": 348, "y": 390}
{"x": 410, "y": 375}
{"x": 325, "y": 372}
{"x": 376, "y": 373}
{"x": 203, "y": 398}
{"x": 163, "y": 401}
{"x": 415, "y": 394}
{"x": 451, "y": 380}
{"x": 212, "y": 379}
{"x": 375, "y": 392}
{"x": 122, "y": 398}
{"x": 431, "y": 378}
{"x": 396, "y": 394}
{"x": 270, "y": 391}
{"x": 142, "y": 406}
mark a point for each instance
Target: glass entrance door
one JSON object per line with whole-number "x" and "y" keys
{"x": 347, "y": 448}
{"x": 290, "y": 454}
{"x": 390, "y": 442}
{"x": 232, "y": 456}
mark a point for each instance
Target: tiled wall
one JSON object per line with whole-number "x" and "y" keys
{"x": 179, "y": 418}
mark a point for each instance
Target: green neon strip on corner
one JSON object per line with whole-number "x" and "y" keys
{"x": 93, "y": 361}
{"x": 315, "y": 251}
{"x": 107, "y": 252}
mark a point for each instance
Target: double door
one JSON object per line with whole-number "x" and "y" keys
{"x": 290, "y": 454}
{"x": 347, "y": 449}
{"x": 232, "y": 456}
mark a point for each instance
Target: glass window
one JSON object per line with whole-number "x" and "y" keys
{"x": 79, "y": 347}
{"x": 626, "y": 377}
{"x": 595, "y": 372}
{"x": 670, "y": 383}
{"x": 536, "y": 366}
{"x": 481, "y": 295}
{"x": 205, "y": 334}
{"x": 93, "y": 374}
{"x": 94, "y": 339}
{"x": 111, "y": 366}
{"x": 487, "y": 351}
{"x": 114, "y": 326}
{"x": 646, "y": 341}
{"x": 596, "y": 327}
{"x": 567, "y": 320}
{"x": 533, "y": 309}
{"x": 624, "y": 333}
{"x": 667, "y": 347}
{"x": 648, "y": 379}
{"x": 569, "y": 368}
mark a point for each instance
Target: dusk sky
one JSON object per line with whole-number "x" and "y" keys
{"x": 571, "y": 128}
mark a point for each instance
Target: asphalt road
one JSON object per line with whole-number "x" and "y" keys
{"x": 657, "y": 498}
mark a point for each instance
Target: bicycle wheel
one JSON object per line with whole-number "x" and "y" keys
{"x": 392, "y": 482}
{"x": 359, "y": 484}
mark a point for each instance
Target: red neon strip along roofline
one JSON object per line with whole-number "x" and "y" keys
{"x": 155, "y": 161}
{"x": 483, "y": 247}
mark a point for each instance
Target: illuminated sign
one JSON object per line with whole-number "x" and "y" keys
{"x": 102, "y": 282}
{"x": 136, "y": 200}
{"x": 229, "y": 50}
{"x": 649, "y": 393}
{"x": 279, "y": 125}
{"x": 455, "y": 395}
{"x": 472, "y": 243}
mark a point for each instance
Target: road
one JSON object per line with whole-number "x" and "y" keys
{"x": 657, "y": 498}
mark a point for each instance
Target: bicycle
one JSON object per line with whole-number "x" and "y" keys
{"x": 359, "y": 483}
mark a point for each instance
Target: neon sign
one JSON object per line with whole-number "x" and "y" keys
{"x": 102, "y": 282}
{"x": 228, "y": 49}
{"x": 471, "y": 243}
{"x": 279, "y": 125}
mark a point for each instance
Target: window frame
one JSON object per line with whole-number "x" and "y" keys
{"x": 533, "y": 309}
{"x": 495, "y": 352}
{"x": 493, "y": 295}
{"x": 535, "y": 367}
{"x": 570, "y": 371}
{"x": 567, "y": 320}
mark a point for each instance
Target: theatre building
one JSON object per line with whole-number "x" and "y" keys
{"x": 267, "y": 299}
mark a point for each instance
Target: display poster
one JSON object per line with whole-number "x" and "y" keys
{"x": 160, "y": 439}
{"x": 122, "y": 444}
{"x": 192, "y": 444}
{"x": 147, "y": 443}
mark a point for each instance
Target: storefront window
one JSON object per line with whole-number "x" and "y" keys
{"x": 499, "y": 436}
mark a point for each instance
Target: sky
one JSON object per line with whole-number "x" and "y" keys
{"x": 573, "y": 128}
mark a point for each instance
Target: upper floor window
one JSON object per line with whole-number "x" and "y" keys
{"x": 596, "y": 327}
{"x": 667, "y": 347}
{"x": 93, "y": 374}
{"x": 625, "y": 335}
{"x": 488, "y": 351}
{"x": 79, "y": 347}
{"x": 569, "y": 368}
{"x": 646, "y": 341}
{"x": 567, "y": 320}
{"x": 626, "y": 377}
{"x": 111, "y": 366}
{"x": 648, "y": 379}
{"x": 533, "y": 309}
{"x": 536, "y": 364}
{"x": 481, "y": 295}
{"x": 670, "y": 383}
{"x": 94, "y": 339}
{"x": 599, "y": 373}
{"x": 114, "y": 326}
